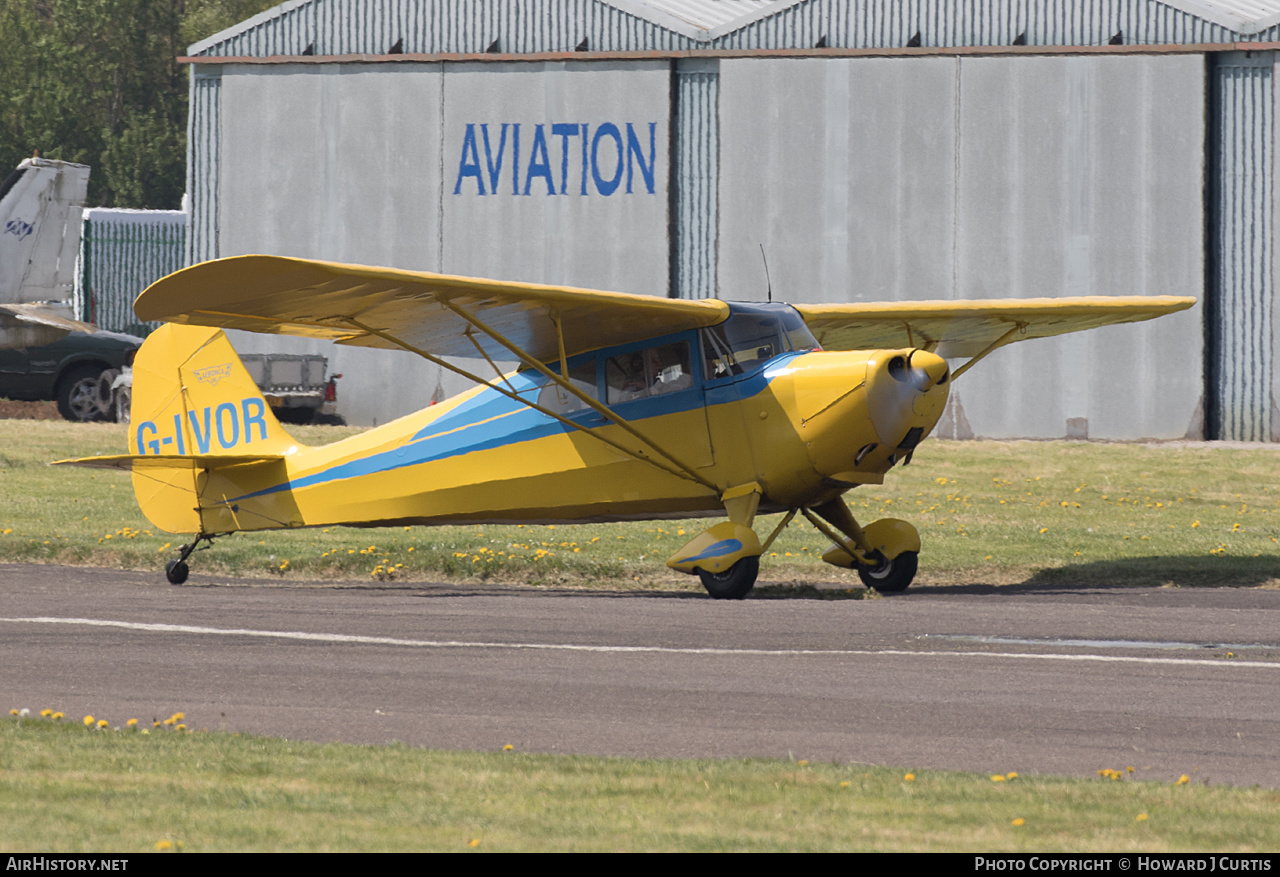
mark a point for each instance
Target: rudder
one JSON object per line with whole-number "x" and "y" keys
{"x": 192, "y": 397}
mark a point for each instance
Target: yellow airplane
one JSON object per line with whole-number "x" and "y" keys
{"x": 624, "y": 407}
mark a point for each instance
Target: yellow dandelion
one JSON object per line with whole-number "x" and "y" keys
{"x": 1183, "y": 780}
{"x": 802, "y": 762}
{"x": 46, "y": 713}
{"x": 1019, "y": 822}
{"x": 88, "y": 721}
{"x": 57, "y": 716}
{"x": 844, "y": 784}
{"x": 998, "y": 778}
{"x": 474, "y": 842}
{"x": 1044, "y": 530}
{"x": 180, "y": 728}
{"x": 507, "y": 748}
{"x": 910, "y": 777}
{"x": 103, "y": 724}
{"x": 1129, "y": 769}
{"x": 1013, "y": 775}
{"x": 162, "y": 845}
{"x": 132, "y": 723}
{"x": 1141, "y": 817}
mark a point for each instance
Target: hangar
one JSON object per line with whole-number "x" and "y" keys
{"x": 874, "y": 149}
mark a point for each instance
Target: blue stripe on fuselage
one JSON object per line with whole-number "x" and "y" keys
{"x": 491, "y": 420}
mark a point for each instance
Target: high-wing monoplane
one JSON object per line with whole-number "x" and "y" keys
{"x": 623, "y": 407}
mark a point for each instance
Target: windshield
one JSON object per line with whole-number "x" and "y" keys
{"x": 753, "y": 334}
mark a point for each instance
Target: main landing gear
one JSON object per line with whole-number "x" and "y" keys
{"x": 726, "y": 557}
{"x": 176, "y": 571}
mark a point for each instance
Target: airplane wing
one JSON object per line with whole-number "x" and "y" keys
{"x": 967, "y": 328}
{"x": 316, "y": 299}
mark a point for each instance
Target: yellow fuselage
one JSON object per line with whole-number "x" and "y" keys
{"x": 805, "y": 427}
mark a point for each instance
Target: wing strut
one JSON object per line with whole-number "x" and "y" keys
{"x": 999, "y": 342}
{"x": 685, "y": 474}
{"x": 563, "y": 382}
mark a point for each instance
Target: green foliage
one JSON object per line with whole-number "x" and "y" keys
{"x": 98, "y": 82}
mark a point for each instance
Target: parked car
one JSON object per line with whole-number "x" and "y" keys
{"x": 77, "y": 371}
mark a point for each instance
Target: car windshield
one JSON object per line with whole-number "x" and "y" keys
{"x": 753, "y": 334}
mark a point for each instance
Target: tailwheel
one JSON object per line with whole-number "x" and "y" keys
{"x": 736, "y": 581}
{"x": 176, "y": 571}
{"x": 891, "y": 576}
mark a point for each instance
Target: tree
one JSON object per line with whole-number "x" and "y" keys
{"x": 98, "y": 82}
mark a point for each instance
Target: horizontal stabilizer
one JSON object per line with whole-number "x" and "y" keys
{"x": 42, "y": 315}
{"x": 135, "y": 462}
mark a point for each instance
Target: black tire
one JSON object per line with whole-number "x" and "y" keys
{"x": 735, "y": 582}
{"x": 891, "y": 576}
{"x": 78, "y": 394}
{"x": 176, "y": 571}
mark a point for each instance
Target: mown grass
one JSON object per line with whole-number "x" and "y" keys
{"x": 67, "y": 788}
{"x": 988, "y": 512}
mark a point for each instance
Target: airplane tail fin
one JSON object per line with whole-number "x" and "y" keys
{"x": 201, "y": 436}
{"x": 41, "y": 206}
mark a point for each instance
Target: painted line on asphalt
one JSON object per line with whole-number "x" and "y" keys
{"x": 574, "y": 647}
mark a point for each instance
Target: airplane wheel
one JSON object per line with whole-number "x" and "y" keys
{"x": 735, "y": 582}
{"x": 891, "y": 576}
{"x": 176, "y": 571}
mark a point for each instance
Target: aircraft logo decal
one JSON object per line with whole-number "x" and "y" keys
{"x": 212, "y": 374}
{"x": 19, "y": 228}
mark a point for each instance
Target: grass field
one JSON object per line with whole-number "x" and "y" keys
{"x": 67, "y": 788}
{"x": 988, "y": 512}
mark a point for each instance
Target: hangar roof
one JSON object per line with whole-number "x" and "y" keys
{"x": 378, "y": 27}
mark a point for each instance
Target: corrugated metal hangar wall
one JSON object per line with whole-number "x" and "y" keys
{"x": 878, "y": 150}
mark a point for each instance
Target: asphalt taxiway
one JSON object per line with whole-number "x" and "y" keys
{"x": 1036, "y": 680}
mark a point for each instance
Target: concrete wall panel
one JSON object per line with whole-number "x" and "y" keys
{"x": 907, "y": 179}
{"x": 1084, "y": 176}
{"x": 843, "y": 169}
{"x": 338, "y": 163}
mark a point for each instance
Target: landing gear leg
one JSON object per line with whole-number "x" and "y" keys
{"x": 176, "y": 571}
{"x": 885, "y": 553}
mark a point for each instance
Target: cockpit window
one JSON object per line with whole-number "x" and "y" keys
{"x": 752, "y": 335}
{"x": 653, "y": 371}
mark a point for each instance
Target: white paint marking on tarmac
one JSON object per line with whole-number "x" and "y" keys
{"x": 572, "y": 647}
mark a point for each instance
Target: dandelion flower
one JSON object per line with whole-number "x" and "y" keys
{"x": 1013, "y": 775}
{"x": 844, "y": 784}
{"x": 103, "y": 724}
{"x": 132, "y": 723}
{"x": 13, "y": 712}
{"x": 57, "y": 716}
{"x": 162, "y": 845}
{"x": 474, "y": 842}
{"x": 910, "y": 777}
{"x": 1019, "y": 822}
{"x": 46, "y": 713}
{"x": 88, "y": 721}
{"x": 1183, "y": 780}
{"x": 1141, "y": 817}
{"x": 507, "y": 748}
{"x": 998, "y": 778}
